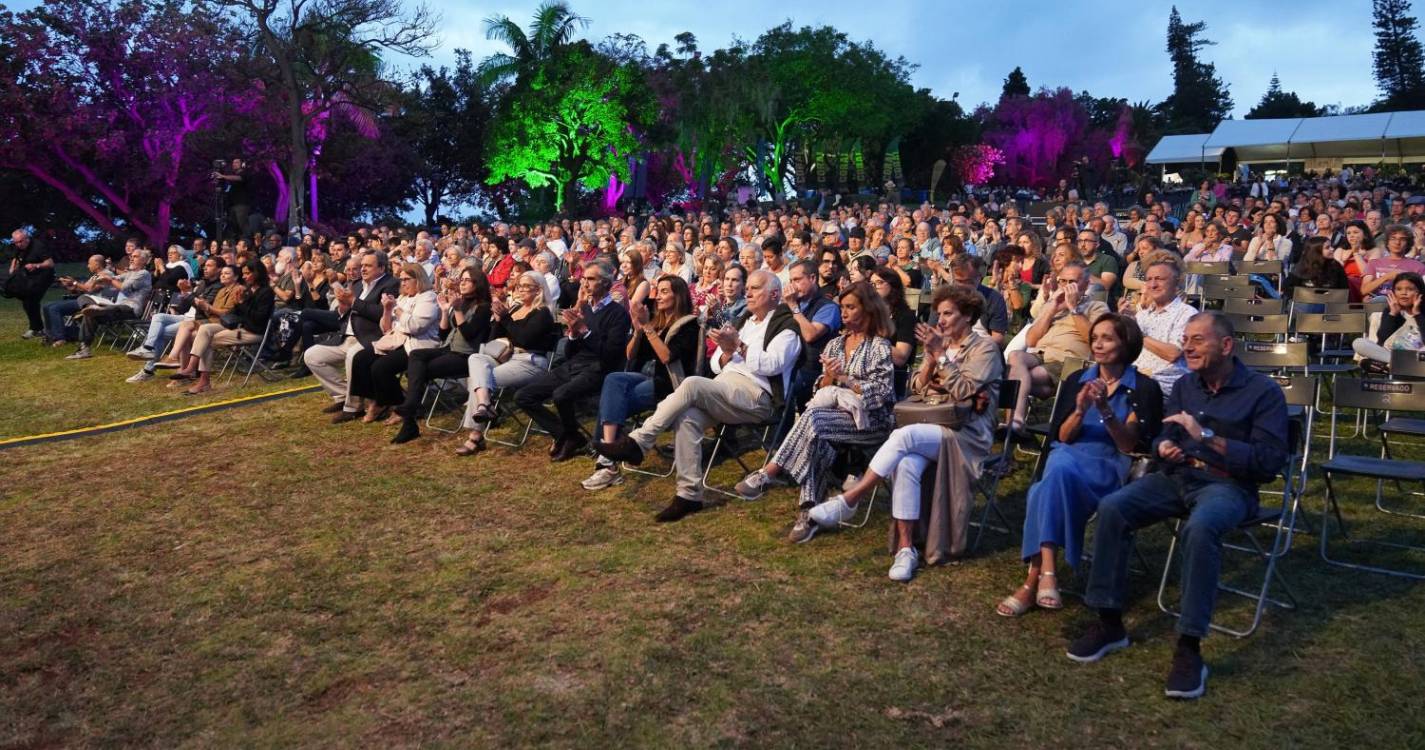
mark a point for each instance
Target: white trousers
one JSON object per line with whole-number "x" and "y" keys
{"x": 903, "y": 458}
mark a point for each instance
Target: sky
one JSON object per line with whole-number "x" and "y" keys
{"x": 1321, "y": 50}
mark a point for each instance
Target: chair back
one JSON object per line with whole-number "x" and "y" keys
{"x": 1215, "y": 268}
{"x": 1253, "y": 306}
{"x": 1300, "y": 390}
{"x": 1407, "y": 363}
{"x": 1228, "y": 287}
{"x": 1383, "y": 395}
{"x": 1072, "y": 365}
{"x": 1318, "y": 296}
{"x": 1272, "y": 355}
{"x": 1275, "y": 325}
{"x": 1355, "y": 307}
{"x": 1323, "y": 323}
{"x": 1260, "y": 267}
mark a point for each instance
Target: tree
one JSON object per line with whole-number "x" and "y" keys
{"x": 323, "y": 58}
{"x": 552, "y": 28}
{"x": 571, "y": 124}
{"x": 104, "y": 102}
{"x": 1278, "y": 103}
{"x": 1399, "y": 62}
{"x": 445, "y": 120}
{"x": 1015, "y": 84}
{"x": 1200, "y": 99}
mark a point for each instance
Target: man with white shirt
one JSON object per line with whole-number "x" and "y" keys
{"x": 359, "y": 308}
{"x": 1163, "y": 318}
{"x": 753, "y": 365}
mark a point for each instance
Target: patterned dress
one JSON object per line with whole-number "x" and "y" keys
{"x": 809, "y": 449}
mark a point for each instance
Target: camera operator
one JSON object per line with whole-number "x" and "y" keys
{"x": 233, "y": 180}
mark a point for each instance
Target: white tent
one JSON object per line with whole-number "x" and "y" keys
{"x": 1379, "y": 136}
{"x": 1178, "y": 149}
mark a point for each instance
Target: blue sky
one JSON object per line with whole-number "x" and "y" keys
{"x": 1321, "y": 50}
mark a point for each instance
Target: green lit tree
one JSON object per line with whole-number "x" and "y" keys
{"x": 571, "y": 124}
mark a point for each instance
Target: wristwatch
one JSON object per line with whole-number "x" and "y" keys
{"x": 1207, "y": 434}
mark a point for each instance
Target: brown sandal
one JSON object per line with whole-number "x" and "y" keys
{"x": 471, "y": 447}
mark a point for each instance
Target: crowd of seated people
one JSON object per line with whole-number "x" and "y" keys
{"x": 810, "y": 328}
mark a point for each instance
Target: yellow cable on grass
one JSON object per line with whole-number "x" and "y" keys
{"x": 138, "y": 421}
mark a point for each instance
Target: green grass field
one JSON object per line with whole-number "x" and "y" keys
{"x": 259, "y": 577}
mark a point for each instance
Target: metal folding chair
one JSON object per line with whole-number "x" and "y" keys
{"x": 995, "y": 467}
{"x": 439, "y": 392}
{"x": 252, "y": 353}
{"x": 725, "y": 437}
{"x": 1300, "y": 392}
{"x": 1274, "y": 326}
{"x": 1273, "y": 356}
{"x": 1383, "y": 395}
{"x": 504, "y": 411}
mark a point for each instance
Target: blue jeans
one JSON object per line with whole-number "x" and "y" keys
{"x": 161, "y": 328}
{"x": 1212, "y": 510}
{"x": 55, "y": 315}
{"x": 624, "y": 393}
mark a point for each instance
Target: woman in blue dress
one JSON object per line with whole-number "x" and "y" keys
{"x": 1103, "y": 413}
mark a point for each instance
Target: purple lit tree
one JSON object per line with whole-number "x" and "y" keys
{"x": 1040, "y": 136}
{"x": 105, "y": 102}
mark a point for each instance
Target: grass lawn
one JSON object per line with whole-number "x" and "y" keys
{"x": 257, "y": 576}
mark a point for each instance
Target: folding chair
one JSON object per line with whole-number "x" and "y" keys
{"x": 1300, "y": 392}
{"x": 1205, "y": 269}
{"x": 1270, "y": 268}
{"x": 995, "y": 467}
{"x": 438, "y": 391}
{"x": 252, "y": 352}
{"x": 1274, "y": 326}
{"x": 503, "y": 411}
{"x": 1389, "y": 396}
{"x": 725, "y": 437}
{"x": 1071, "y": 365}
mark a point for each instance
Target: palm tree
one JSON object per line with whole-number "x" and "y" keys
{"x": 552, "y": 27}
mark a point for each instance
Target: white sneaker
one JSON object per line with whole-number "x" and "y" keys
{"x": 142, "y": 353}
{"x": 603, "y": 478}
{"x": 139, "y": 377}
{"x": 82, "y": 353}
{"x": 832, "y": 513}
{"x": 753, "y": 485}
{"x": 907, "y": 560}
{"x": 31, "y": 333}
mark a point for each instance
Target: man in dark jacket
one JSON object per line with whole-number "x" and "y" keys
{"x": 359, "y": 309}
{"x": 597, "y": 329}
{"x": 1224, "y": 435}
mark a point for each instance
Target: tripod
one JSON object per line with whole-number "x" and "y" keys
{"x": 220, "y": 212}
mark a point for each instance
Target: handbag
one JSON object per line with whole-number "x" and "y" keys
{"x": 499, "y": 350}
{"x": 390, "y": 342}
{"x": 230, "y": 321}
{"x": 935, "y": 409}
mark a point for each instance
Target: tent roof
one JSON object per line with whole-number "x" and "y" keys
{"x": 1367, "y": 135}
{"x": 1174, "y": 149}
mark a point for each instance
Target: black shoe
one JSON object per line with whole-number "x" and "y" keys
{"x": 1099, "y": 641}
{"x": 409, "y": 431}
{"x": 1188, "y": 677}
{"x": 677, "y": 510}
{"x": 300, "y": 372}
{"x": 621, "y": 449}
{"x": 558, "y": 446}
{"x": 570, "y": 448}
{"x": 334, "y": 407}
{"x": 342, "y": 417}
